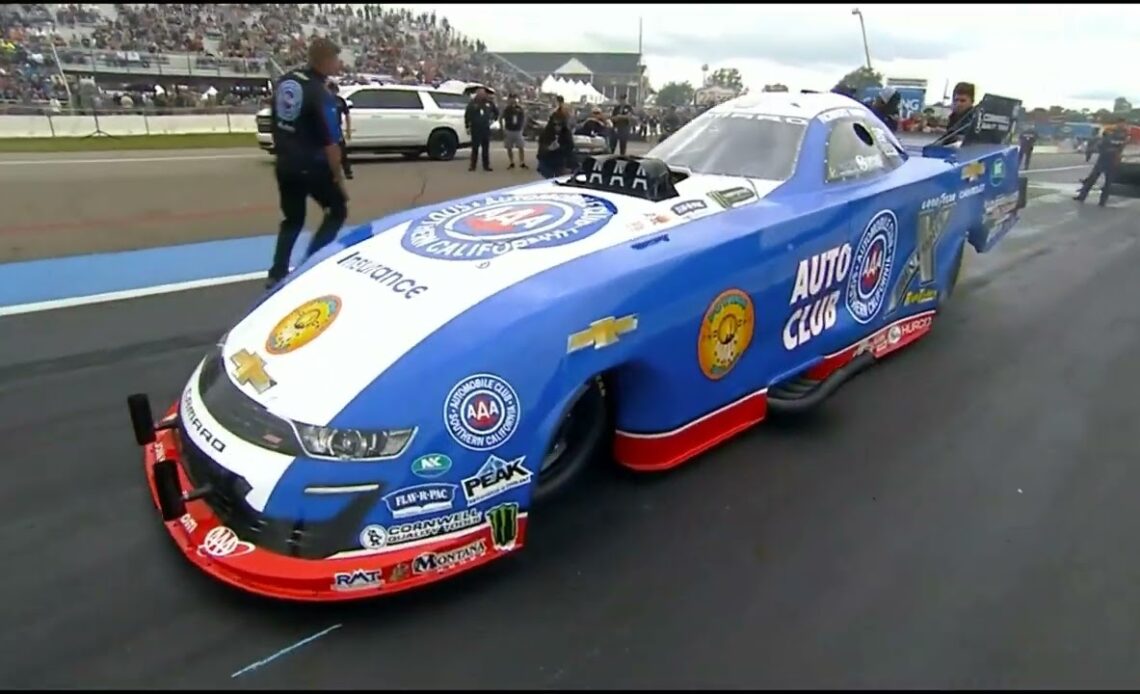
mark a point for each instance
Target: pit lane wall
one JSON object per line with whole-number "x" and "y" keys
{"x": 123, "y": 125}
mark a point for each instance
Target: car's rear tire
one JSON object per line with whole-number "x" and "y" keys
{"x": 583, "y": 436}
{"x": 442, "y": 145}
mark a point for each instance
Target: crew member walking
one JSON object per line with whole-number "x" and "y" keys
{"x": 306, "y": 139}
{"x": 1112, "y": 143}
{"x": 481, "y": 113}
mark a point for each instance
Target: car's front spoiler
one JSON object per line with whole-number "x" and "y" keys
{"x": 217, "y": 551}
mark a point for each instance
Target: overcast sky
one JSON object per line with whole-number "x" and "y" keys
{"x": 1080, "y": 56}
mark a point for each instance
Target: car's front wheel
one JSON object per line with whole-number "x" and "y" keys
{"x": 583, "y": 436}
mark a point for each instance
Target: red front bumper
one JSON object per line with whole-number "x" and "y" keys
{"x": 202, "y": 538}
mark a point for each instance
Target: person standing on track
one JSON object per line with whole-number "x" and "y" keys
{"x": 623, "y": 124}
{"x": 344, "y": 120}
{"x": 481, "y": 113}
{"x": 514, "y": 122}
{"x": 1112, "y": 143}
{"x": 1028, "y": 142}
{"x": 307, "y": 141}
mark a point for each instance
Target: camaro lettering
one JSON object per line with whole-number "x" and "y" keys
{"x": 816, "y": 291}
{"x": 383, "y": 275}
{"x": 191, "y": 418}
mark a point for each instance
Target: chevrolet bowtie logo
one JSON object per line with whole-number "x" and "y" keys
{"x": 250, "y": 369}
{"x": 973, "y": 171}
{"x": 601, "y": 333}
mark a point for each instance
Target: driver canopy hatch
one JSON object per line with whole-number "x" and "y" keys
{"x": 638, "y": 177}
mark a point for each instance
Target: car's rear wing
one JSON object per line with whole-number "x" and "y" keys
{"x": 993, "y": 121}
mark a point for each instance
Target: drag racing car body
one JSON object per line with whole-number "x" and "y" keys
{"x": 390, "y": 415}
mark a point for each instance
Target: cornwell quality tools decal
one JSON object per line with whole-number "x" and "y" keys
{"x": 917, "y": 278}
{"x": 303, "y": 325}
{"x": 725, "y": 333}
{"x": 815, "y": 295}
{"x": 601, "y": 333}
{"x": 377, "y": 537}
{"x": 871, "y": 267}
{"x": 498, "y": 224}
{"x": 481, "y": 412}
{"x": 249, "y": 369}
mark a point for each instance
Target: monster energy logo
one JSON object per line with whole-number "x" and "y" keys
{"x": 504, "y": 522}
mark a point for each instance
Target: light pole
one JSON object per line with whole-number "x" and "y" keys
{"x": 863, "y": 27}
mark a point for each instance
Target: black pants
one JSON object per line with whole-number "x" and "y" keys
{"x": 481, "y": 139}
{"x": 294, "y": 189}
{"x": 1104, "y": 165}
{"x": 622, "y": 141}
{"x": 1026, "y": 155}
{"x": 344, "y": 162}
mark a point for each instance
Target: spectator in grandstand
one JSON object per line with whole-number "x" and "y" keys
{"x": 344, "y": 120}
{"x": 960, "y": 110}
{"x": 623, "y": 124}
{"x": 481, "y": 113}
{"x": 307, "y": 144}
{"x": 514, "y": 122}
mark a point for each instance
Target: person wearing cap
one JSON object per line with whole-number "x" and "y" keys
{"x": 1026, "y": 142}
{"x": 514, "y": 122}
{"x": 623, "y": 123}
{"x": 886, "y": 107}
{"x": 962, "y": 106}
{"x": 306, "y": 140}
{"x": 1113, "y": 140}
{"x": 344, "y": 121}
{"x": 594, "y": 126}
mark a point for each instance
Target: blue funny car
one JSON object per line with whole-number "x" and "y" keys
{"x": 393, "y": 412}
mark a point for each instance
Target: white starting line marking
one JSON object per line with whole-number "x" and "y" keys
{"x": 285, "y": 651}
{"x": 1057, "y": 168}
{"x": 128, "y": 294}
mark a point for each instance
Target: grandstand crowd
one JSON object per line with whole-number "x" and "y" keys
{"x": 229, "y": 40}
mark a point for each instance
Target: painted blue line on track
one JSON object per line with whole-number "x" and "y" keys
{"x": 85, "y": 275}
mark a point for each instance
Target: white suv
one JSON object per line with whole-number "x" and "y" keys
{"x": 392, "y": 118}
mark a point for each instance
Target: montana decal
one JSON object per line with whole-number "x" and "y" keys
{"x": 499, "y": 224}
{"x": 871, "y": 268}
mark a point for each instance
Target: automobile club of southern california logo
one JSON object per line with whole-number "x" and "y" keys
{"x": 499, "y": 224}
{"x": 481, "y": 412}
{"x": 871, "y": 268}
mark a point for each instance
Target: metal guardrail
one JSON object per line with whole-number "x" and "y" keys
{"x": 43, "y": 108}
{"x": 127, "y": 122}
{"x": 94, "y": 62}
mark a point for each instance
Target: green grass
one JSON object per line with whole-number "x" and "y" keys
{"x": 133, "y": 142}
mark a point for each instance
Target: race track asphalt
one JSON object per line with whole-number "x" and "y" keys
{"x": 963, "y": 515}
